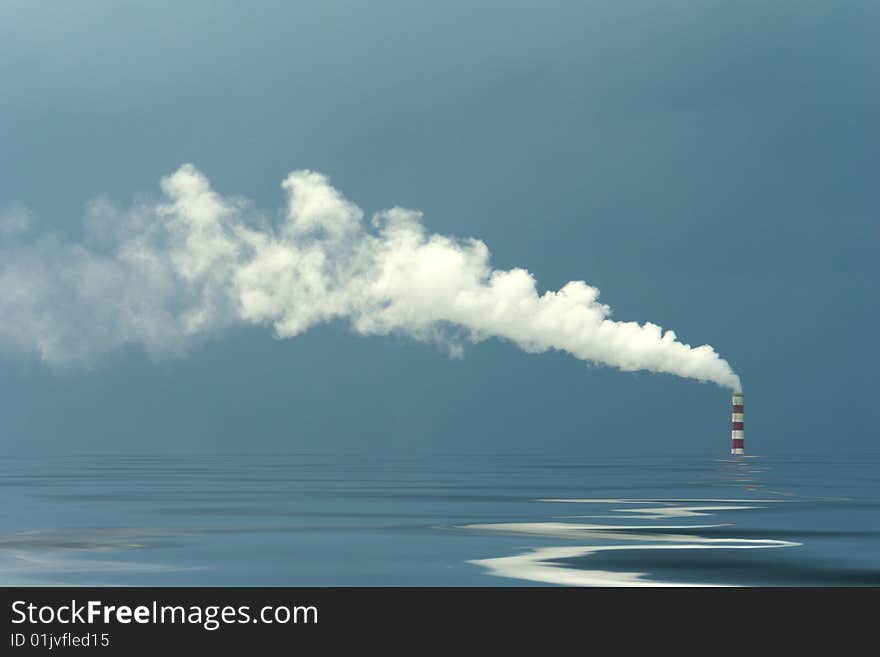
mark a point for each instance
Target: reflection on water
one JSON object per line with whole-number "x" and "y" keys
{"x": 565, "y": 565}
{"x": 313, "y": 519}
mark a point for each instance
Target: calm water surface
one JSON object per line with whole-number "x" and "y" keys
{"x": 312, "y": 519}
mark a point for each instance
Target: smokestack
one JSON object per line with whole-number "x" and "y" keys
{"x": 737, "y": 433}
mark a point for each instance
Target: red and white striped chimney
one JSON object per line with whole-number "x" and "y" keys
{"x": 737, "y": 432}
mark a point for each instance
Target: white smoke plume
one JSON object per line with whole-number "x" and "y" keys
{"x": 163, "y": 275}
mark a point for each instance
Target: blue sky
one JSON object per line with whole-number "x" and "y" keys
{"x": 710, "y": 167}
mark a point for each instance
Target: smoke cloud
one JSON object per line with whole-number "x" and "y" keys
{"x": 164, "y": 275}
